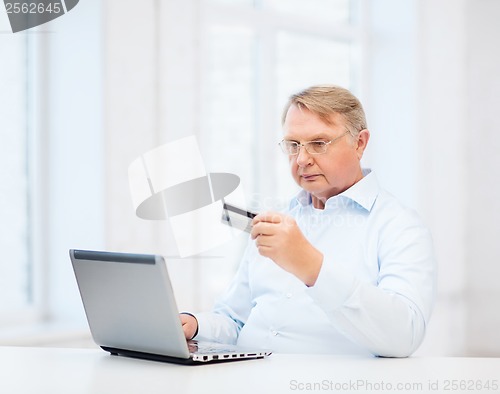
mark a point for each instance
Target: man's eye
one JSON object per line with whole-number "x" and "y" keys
{"x": 317, "y": 144}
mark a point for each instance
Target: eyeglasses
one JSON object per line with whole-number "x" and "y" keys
{"x": 313, "y": 147}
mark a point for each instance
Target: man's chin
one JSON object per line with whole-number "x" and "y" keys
{"x": 314, "y": 191}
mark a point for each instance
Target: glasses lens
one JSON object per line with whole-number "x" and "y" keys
{"x": 316, "y": 147}
{"x": 289, "y": 147}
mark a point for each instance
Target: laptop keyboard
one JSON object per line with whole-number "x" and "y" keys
{"x": 210, "y": 348}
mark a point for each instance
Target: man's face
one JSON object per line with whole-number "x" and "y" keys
{"x": 328, "y": 174}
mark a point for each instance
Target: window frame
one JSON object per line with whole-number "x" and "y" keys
{"x": 35, "y": 307}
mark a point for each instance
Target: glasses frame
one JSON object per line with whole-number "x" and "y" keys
{"x": 305, "y": 145}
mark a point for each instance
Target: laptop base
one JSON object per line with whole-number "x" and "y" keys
{"x": 167, "y": 359}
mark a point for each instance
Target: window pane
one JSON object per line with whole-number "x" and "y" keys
{"x": 302, "y": 61}
{"x": 228, "y": 105}
{"x": 334, "y": 11}
{"x": 227, "y": 134}
{"x": 14, "y": 277}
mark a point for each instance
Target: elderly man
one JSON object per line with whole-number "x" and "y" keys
{"x": 347, "y": 269}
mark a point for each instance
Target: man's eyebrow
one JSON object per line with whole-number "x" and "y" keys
{"x": 316, "y": 137}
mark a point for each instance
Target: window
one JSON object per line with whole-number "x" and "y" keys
{"x": 15, "y": 225}
{"x": 254, "y": 55}
{"x": 51, "y": 192}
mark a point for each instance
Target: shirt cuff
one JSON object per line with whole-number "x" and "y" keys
{"x": 204, "y": 331}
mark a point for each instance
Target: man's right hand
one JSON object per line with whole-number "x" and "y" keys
{"x": 189, "y": 325}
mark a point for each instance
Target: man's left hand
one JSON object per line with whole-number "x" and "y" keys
{"x": 278, "y": 237}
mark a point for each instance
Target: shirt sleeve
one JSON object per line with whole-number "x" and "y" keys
{"x": 230, "y": 312}
{"x": 388, "y": 318}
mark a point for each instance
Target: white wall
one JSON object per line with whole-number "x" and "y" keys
{"x": 130, "y": 115}
{"x": 442, "y": 126}
{"x": 482, "y": 147}
{"x": 458, "y": 158}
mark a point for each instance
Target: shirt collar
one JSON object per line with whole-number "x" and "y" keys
{"x": 364, "y": 192}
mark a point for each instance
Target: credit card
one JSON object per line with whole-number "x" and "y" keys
{"x": 238, "y": 218}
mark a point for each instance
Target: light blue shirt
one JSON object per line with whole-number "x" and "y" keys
{"x": 373, "y": 296}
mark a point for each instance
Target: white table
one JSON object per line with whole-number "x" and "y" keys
{"x": 73, "y": 371}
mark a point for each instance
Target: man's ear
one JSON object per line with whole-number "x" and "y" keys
{"x": 363, "y": 138}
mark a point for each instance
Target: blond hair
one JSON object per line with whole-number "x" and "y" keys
{"x": 327, "y": 100}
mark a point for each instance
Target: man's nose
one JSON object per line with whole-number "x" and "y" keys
{"x": 304, "y": 158}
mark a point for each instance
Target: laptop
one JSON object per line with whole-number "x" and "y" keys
{"x": 131, "y": 310}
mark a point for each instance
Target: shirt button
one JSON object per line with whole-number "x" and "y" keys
{"x": 274, "y": 332}
{"x": 288, "y": 295}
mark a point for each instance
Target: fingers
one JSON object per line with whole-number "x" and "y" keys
{"x": 263, "y": 228}
{"x": 269, "y": 217}
{"x": 270, "y": 223}
{"x": 262, "y": 224}
{"x": 265, "y": 223}
{"x": 189, "y": 325}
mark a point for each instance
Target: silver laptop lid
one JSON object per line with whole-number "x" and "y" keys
{"x": 129, "y": 302}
